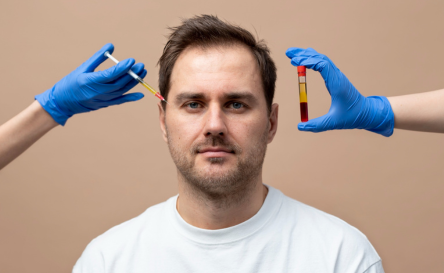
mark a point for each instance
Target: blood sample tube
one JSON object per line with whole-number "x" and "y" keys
{"x": 303, "y": 93}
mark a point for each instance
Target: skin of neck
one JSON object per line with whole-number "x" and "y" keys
{"x": 203, "y": 212}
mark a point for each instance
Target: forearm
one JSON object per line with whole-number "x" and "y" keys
{"x": 419, "y": 112}
{"x": 20, "y": 132}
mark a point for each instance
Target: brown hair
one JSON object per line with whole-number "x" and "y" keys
{"x": 206, "y": 31}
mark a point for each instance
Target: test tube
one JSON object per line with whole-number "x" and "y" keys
{"x": 303, "y": 93}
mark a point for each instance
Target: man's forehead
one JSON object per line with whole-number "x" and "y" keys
{"x": 229, "y": 68}
{"x": 197, "y": 60}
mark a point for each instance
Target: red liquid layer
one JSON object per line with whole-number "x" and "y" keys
{"x": 304, "y": 112}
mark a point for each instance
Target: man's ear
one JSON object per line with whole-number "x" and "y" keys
{"x": 273, "y": 121}
{"x": 162, "y": 121}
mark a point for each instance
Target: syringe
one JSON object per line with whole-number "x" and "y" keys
{"x": 139, "y": 79}
{"x": 303, "y": 93}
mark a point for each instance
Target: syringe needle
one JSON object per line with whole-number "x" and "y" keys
{"x": 139, "y": 79}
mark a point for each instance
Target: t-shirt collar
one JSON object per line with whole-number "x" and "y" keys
{"x": 269, "y": 208}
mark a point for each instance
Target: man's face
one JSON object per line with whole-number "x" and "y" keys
{"x": 216, "y": 123}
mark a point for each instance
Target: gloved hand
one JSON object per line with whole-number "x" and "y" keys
{"x": 349, "y": 109}
{"x": 84, "y": 90}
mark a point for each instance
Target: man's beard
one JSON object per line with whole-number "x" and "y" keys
{"x": 227, "y": 187}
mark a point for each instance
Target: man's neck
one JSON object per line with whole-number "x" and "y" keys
{"x": 209, "y": 214}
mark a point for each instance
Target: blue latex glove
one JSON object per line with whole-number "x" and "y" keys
{"x": 84, "y": 90}
{"x": 349, "y": 109}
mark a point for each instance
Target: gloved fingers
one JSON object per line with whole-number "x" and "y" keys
{"x": 125, "y": 79}
{"x": 320, "y": 124}
{"x": 113, "y": 73}
{"x": 126, "y": 98}
{"x": 311, "y": 59}
{"x": 143, "y": 74}
{"x": 293, "y": 52}
{"x": 92, "y": 63}
{"x": 130, "y": 84}
{"x": 297, "y": 52}
{"x": 311, "y": 62}
{"x": 138, "y": 68}
{"x": 114, "y": 88}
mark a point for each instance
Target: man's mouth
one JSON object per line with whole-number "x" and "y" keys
{"x": 215, "y": 152}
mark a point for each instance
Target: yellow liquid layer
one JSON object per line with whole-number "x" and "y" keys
{"x": 149, "y": 87}
{"x": 302, "y": 92}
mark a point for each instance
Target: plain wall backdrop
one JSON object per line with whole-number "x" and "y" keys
{"x": 108, "y": 166}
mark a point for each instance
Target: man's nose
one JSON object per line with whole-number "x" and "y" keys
{"x": 215, "y": 123}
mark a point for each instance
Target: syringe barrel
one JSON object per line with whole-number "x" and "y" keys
{"x": 134, "y": 75}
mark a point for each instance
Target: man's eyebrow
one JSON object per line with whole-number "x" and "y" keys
{"x": 189, "y": 95}
{"x": 229, "y": 96}
{"x": 241, "y": 95}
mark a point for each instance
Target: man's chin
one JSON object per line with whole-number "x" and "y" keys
{"x": 215, "y": 182}
{"x": 216, "y": 170}
{"x": 216, "y": 165}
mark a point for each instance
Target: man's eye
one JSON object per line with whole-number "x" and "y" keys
{"x": 193, "y": 105}
{"x": 237, "y": 105}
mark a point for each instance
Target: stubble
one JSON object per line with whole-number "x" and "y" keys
{"x": 225, "y": 188}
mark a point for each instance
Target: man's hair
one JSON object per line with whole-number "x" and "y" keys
{"x": 207, "y": 31}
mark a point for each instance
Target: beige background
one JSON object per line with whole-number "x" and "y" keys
{"x": 108, "y": 166}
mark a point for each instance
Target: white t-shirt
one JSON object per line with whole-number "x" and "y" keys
{"x": 284, "y": 236}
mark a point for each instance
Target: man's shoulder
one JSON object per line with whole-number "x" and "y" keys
{"x": 128, "y": 235}
{"x": 124, "y": 232}
{"x": 311, "y": 216}
{"x": 317, "y": 232}
{"x": 324, "y": 227}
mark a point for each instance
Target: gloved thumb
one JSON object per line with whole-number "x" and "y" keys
{"x": 320, "y": 124}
